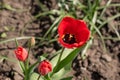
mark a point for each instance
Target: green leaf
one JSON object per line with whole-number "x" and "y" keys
{"x": 66, "y": 60}
{"x": 66, "y": 52}
{"x": 22, "y": 66}
{"x": 34, "y": 76}
{"x": 83, "y": 53}
{"x": 67, "y": 78}
{"x": 12, "y": 39}
{"x": 6, "y": 6}
{"x": 47, "y": 77}
{"x": 6, "y": 58}
{"x": 53, "y": 25}
{"x": 3, "y": 35}
{"x": 6, "y": 28}
{"x": 64, "y": 72}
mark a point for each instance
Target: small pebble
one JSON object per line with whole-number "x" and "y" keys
{"x": 106, "y": 58}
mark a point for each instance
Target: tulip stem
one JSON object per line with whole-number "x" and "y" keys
{"x": 60, "y": 56}
{"x": 38, "y": 77}
{"x": 47, "y": 77}
{"x": 16, "y": 42}
{"x": 27, "y": 60}
{"x": 27, "y": 64}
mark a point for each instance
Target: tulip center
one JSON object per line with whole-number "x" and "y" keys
{"x": 69, "y": 38}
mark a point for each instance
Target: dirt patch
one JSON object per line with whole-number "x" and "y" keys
{"x": 98, "y": 65}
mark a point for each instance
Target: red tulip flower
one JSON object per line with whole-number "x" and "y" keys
{"x": 21, "y": 53}
{"x": 73, "y": 32}
{"x": 44, "y": 67}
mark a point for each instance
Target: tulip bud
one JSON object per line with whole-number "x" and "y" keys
{"x": 21, "y": 53}
{"x": 44, "y": 67}
{"x": 32, "y": 41}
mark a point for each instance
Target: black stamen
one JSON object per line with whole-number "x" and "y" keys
{"x": 69, "y": 38}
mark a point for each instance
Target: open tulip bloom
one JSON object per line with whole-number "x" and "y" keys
{"x": 73, "y": 32}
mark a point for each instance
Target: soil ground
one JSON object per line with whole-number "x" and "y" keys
{"x": 99, "y": 65}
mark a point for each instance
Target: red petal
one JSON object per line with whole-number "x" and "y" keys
{"x": 78, "y": 28}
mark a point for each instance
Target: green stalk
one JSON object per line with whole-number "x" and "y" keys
{"x": 26, "y": 75}
{"x": 16, "y": 42}
{"x": 27, "y": 72}
{"x": 38, "y": 77}
{"x": 47, "y": 77}
{"x": 12, "y": 39}
{"x": 60, "y": 56}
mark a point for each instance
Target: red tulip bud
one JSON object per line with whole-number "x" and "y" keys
{"x": 21, "y": 53}
{"x": 44, "y": 67}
